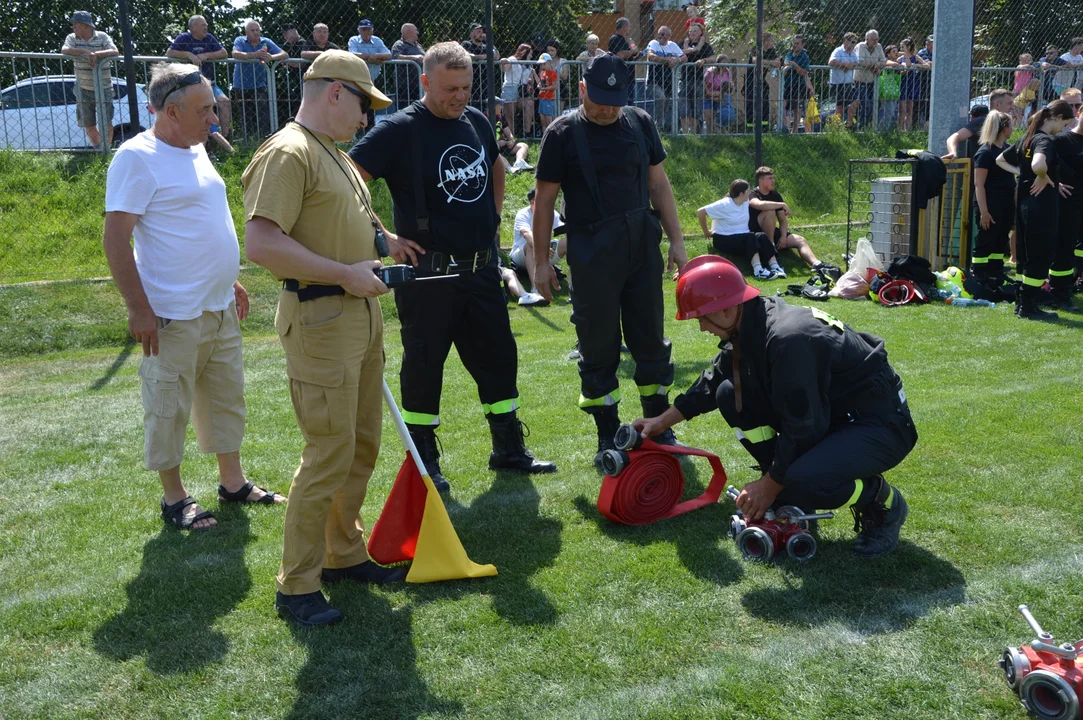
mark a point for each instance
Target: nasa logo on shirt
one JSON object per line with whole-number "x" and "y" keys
{"x": 463, "y": 173}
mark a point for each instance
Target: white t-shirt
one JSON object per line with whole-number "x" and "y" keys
{"x": 838, "y": 75}
{"x": 186, "y": 247}
{"x": 728, "y": 218}
{"x": 524, "y": 219}
{"x": 1066, "y": 78}
{"x": 662, "y": 75}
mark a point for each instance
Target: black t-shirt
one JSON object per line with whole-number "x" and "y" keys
{"x": 754, "y": 214}
{"x": 691, "y": 73}
{"x": 457, "y": 158}
{"x": 616, "y": 161}
{"x": 619, "y": 43}
{"x": 311, "y": 46}
{"x": 968, "y": 147}
{"x": 1049, "y": 92}
{"x": 998, "y": 178}
{"x": 768, "y": 54}
{"x": 1040, "y": 143}
{"x": 1070, "y": 154}
{"x": 479, "y": 68}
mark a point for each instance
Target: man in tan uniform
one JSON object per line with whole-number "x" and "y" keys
{"x": 309, "y": 221}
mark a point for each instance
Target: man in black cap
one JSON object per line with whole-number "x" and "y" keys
{"x": 608, "y": 158}
{"x": 476, "y": 48}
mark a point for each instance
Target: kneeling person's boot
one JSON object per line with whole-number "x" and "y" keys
{"x": 878, "y": 521}
{"x": 425, "y": 439}
{"x": 509, "y": 450}
{"x": 608, "y": 421}
{"x": 653, "y": 406}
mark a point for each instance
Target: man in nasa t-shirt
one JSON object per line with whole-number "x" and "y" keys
{"x": 440, "y": 161}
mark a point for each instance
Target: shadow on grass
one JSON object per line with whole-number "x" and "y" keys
{"x": 869, "y": 596}
{"x": 364, "y": 667}
{"x": 122, "y": 358}
{"x": 503, "y": 527}
{"x": 187, "y": 582}
{"x": 697, "y": 535}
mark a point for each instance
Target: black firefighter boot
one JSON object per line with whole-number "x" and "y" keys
{"x": 879, "y": 521}
{"x": 425, "y": 439}
{"x": 653, "y": 406}
{"x": 509, "y": 451}
{"x": 607, "y": 418}
{"x": 1026, "y": 304}
{"x": 1062, "y": 298}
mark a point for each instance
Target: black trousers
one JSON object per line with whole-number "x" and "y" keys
{"x": 745, "y": 245}
{"x": 618, "y": 283}
{"x": 1037, "y": 225}
{"x": 468, "y": 311}
{"x": 991, "y": 246}
{"x": 857, "y": 447}
{"x": 1070, "y": 241}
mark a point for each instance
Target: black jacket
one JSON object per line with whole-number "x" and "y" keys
{"x": 813, "y": 368}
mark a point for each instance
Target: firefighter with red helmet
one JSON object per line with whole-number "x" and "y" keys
{"x": 815, "y": 402}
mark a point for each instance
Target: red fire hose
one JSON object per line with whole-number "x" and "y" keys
{"x": 645, "y": 485}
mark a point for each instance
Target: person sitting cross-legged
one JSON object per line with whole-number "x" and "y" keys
{"x": 730, "y": 232}
{"x": 768, "y": 213}
{"x": 522, "y": 252}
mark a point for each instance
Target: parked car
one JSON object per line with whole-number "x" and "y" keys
{"x": 38, "y": 113}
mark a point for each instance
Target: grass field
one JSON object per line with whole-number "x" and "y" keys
{"x": 107, "y": 614}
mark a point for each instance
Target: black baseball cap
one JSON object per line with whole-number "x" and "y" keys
{"x": 606, "y": 78}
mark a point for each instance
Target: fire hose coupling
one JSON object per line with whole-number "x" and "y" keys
{"x": 614, "y": 462}
{"x": 788, "y": 530}
{"x": 627, "y": 438}
{"x": 1047, "y": 677}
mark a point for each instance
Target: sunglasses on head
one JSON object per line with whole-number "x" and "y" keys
{"x": 366, "y": 103}
{"x": 193, "y": 78}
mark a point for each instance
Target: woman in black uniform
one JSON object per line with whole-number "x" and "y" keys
{"x": 1034, "y": 160}
{"x": 994, "y": 189}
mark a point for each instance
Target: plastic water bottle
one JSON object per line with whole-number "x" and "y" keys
{"x": 969, "y": 302}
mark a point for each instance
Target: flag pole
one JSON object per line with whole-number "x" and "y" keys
{"x": 404, "y": 433}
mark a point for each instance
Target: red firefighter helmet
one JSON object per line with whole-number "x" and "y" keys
{"x": 708, "y": 284}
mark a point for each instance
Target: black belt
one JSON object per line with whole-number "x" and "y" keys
{"x": 435, "y": 262}
{"x": 311, "y": 292}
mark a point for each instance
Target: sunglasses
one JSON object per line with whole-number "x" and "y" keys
{"x": 190, "y": 79}
{"x": 366, "y": 102}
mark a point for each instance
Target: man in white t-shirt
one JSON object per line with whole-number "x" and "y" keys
{"x": 180, "y": 285}
{"x": 730, "y": 234}
{"x": 522, "y": 251}
{"x": 666, "y": 55}
{"x": 843, "y": 61}
{"x": 1073, "y": 64}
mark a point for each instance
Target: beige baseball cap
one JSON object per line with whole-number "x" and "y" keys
{"x": 341, "y": 65}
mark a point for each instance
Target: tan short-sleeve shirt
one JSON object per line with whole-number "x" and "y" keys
{"x": 309, "y": 188}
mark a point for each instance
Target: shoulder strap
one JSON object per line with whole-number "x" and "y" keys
{"x": 421, "y": 212}
{"x": 628, "y": 113}
{"x": 586, "y": 161}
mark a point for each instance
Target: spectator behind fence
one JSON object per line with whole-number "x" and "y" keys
{"x": 548, "y": 82}
{"x": 1073, "y": 62}
{"x": 718, "y": 107}
{"x": 870, "y": 55}
{"x": 626, "y": 49}
{"x": 407, "y": 77}
{"x": 665, "y": 55}
{"x": 184, "y": 301}
{"x": 1050, "y": 69}
{"x": 522, "y": 250}
{"x": 697, "y": 52}
{"x": 1027, "y": 85}
{"x": 319, "y": 43}
{"x": 729, "y": 232}
{"x": 592, "y": 48}
{"x": 890, "y": 90}
{"x": 796, "y": 84}
{"x": 88, "y": 46}
{"x": 768, "y": 213}
{"x": 249, "y": 94}
{"x": 691, "y": 11}
{"x": 372, "y": 50}
{"x": 921, "y": 110}
{"x": 288, "y": 83}
{"x": 999, "y": 100}
{"x": 994, "y": 194}
{"x": 477, "y": 47}
{"x": 517, "y": 93}
{"x": 843, "y": 60}
{"x": 910, "y": 63}
{"x": 770, "y": 62}
{"x": 200, "y": 47}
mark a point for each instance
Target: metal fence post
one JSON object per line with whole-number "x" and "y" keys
{"x": 781, "y": 103}
{"x": 99, "y": 110}
{"x": 875, "y": 119}
{"x": 272, "y": 94}
{"x": 674, "y": 127}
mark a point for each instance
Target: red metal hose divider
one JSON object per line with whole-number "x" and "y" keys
{"x": 650, "y": 486}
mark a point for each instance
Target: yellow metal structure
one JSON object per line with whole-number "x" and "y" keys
{"x": 945, "y": 226}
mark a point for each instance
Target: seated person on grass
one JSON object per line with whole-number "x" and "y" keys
{"x": 729, "y": 232}
{"x": 522, "y": 251}
{"x": 769, "y": 214}
{"x": 512, "y": 153}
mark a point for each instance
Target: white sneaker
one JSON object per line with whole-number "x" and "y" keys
{"x": 778, "y": 271}
{"x": 533, "y": 298}
{"x": 522, "y": 165}
{"x": 763, "y": 274}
